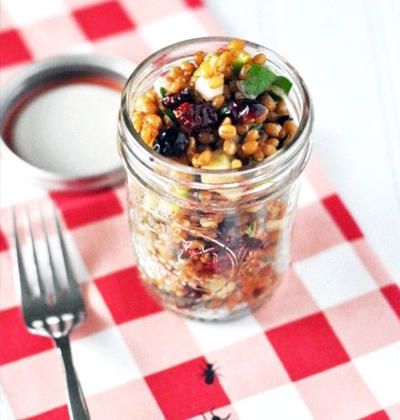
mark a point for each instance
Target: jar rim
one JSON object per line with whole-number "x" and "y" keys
{"x": 287, "y": 152}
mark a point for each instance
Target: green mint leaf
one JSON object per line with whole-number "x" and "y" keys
{"x": 283, "y": 83}
{"x": 280, "y": 87}
{"x": 276, "y": 93}
{"x": 163, "y": 91}
{"x": 258, "y": 79}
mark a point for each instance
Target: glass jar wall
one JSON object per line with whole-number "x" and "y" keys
{"x": 211, "y": 244}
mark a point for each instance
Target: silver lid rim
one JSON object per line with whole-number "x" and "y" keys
{"x": 42, "y": 72}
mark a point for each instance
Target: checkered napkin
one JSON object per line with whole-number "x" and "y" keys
{"x": 327, "y": 346}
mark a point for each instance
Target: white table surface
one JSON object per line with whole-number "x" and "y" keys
{"x": 348, "y": 51}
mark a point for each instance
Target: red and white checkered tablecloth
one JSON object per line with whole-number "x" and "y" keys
{"x": 327, "y": 346}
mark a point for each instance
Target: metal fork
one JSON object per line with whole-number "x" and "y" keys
{"x": 53, "y": 313}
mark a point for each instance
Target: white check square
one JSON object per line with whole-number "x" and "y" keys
{"x": 84, "y": 47}
{"x": 103, "y": 361}
{"x": 17, "y": 191}
{"x": 282, "y": 403}
{"x": 5, "y": 410}
{"x": 79, "y": 268}
{"x": 160, "y": 32}
{"x": 24, "y": 12}
{"x": 335, "y": 276}
{"x": 381, "y": 372}
{"x": 307, "y": 193}
{"x": 213, "y": 337}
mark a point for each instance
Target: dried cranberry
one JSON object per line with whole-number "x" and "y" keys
{"x": 174, "y": 100}
{"x": 219, "y": 263}
{"x": 171, "y": 142}
{"x": 245, "y": 245}
{"x": 222, "y": 264}
{"x": 241, "y": 246}
{"x": 244, "y": 111}
{"x": 194, "y": 117}
{"x": 283, "y": 119}
{"x": 192, "y": 293}
{"x": 251, "y": 243}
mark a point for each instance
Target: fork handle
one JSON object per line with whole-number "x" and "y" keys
{"x": 76, "y": 401}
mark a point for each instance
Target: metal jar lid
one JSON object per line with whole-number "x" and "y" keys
{"x": 49, "y": 77}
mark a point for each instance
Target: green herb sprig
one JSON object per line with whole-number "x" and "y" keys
{"x": 170, "y": 114}
{"x": 260, "y": 78}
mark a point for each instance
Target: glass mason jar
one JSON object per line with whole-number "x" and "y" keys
{"x": 211, "y": 244}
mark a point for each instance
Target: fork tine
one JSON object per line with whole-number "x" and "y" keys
{"x": 72, "y": 283}
{"x": 35, "y": 257}
{"x": 55, "y": 277}
{"x": 26, "y": 292}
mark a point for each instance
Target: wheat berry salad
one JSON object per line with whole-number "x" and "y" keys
{"x": 214, "y": 134}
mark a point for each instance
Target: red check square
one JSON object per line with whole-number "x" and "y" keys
{"x": 182, "y": 393}
{"x": 392, "y": 295}
{"x": 13, "y": 48}
{"x": 16, "y": 341}
{"x": 80, "y": 208}
{"x": 125, "y": 296}
{"x": 307, "y": 346}
{"x": 342, "y": 217}
{"x": 59, "y": 413}
{"x": 3, "y": 242}
{"x": 379, "y": 415}
{"x": 194, "y": 3}
{"x": 103, "y": 19}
